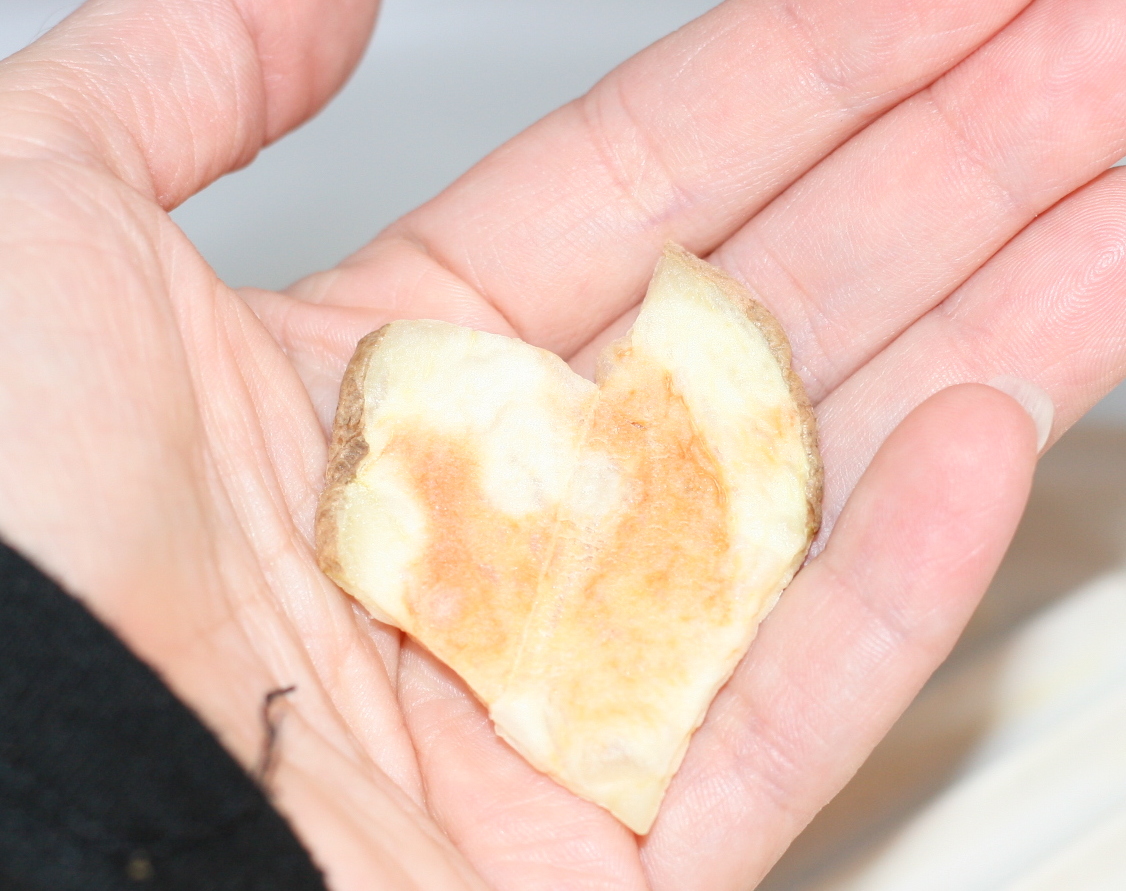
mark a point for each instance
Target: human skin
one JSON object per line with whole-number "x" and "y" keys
{"x": 918, "y": 191}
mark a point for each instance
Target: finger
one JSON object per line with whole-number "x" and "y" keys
{"x": 851, "y": 641}
{"x": 558, "y": 230}
{"x": 519, "y": 829}
{"x": 171, "y": 94}
{"x": 893, "y": 222}
{"x": 1048, "y": 308}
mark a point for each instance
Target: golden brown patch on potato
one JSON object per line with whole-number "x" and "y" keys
{"x": 668, "y": 543}
{"x": 657, "y": 560}
{"x": 470, "y": 596}
{"x": 659, "y": 568}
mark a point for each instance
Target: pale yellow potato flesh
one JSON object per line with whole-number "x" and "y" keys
{"x": 593, "y": 560}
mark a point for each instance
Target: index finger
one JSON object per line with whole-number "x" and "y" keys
{"x": 558, "y": 229}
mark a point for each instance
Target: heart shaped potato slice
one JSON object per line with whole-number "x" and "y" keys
{"x": 593, "y": 560}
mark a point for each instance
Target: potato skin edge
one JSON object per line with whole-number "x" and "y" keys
{"x": 346, "y": 451}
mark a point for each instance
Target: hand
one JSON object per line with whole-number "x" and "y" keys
{"x": 916, "y": 190}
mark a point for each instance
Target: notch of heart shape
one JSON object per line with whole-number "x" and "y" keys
{"x": 592, "y": 559}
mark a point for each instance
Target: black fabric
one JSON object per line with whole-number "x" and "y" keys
{"x": 107, "y": 781}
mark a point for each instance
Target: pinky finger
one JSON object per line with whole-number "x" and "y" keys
{"x": 853, "y": 640}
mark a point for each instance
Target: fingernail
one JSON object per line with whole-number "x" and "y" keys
{"x": 1035, "y": 400}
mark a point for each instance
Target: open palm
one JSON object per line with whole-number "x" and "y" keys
{"x": 917, "y": 189}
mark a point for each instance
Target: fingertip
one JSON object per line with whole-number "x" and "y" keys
{"x": 1005, "y": 422}
{"x": 306, "y": 51}
{"x": 946, "y": 489}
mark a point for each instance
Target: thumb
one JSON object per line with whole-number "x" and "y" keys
{"x": 171, "y": 94}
